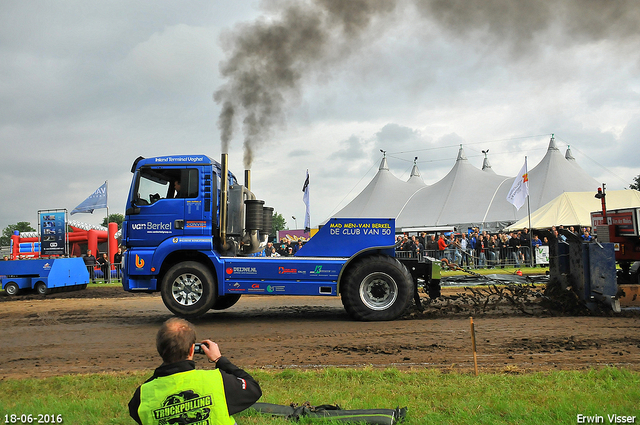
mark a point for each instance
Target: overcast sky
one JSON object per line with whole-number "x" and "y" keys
{"x": 85, "y": 88}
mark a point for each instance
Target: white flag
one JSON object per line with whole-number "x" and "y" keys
{"x": 305, "y": 198}
{"x": 520, "y": 188}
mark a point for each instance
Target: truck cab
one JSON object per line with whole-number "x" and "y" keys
{"x": 170, "y": 198}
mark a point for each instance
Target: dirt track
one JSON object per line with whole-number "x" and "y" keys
{"x": 82, "y": 333}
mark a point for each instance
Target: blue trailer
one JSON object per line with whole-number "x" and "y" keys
{"x": 191, "y": 232}
{"x": 43, "y": 275}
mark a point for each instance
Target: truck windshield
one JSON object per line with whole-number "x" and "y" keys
{"x": 156, "y": 184}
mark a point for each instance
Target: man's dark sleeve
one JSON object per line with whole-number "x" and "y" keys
{"x": 240, "y": 389}
{"x": 134, "y": 404}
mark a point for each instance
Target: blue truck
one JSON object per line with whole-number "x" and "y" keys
{"x": 43, "y": 275}
{"x": 192, "y": 232}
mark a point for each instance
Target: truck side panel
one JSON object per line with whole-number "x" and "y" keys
{"x": 281, "y": 275}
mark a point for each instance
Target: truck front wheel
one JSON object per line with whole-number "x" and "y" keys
{"x": 378, "y": 287}
{"x": 188, "y": 289}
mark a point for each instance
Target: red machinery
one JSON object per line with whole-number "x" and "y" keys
{"x": 622, "y": 228}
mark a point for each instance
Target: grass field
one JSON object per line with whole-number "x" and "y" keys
{"x": 431, "y": 396}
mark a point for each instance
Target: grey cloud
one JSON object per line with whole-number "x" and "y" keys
{"x": 299, "y": 153}
{"x": 353, "y": 149}
{"x": 393, "y": 136}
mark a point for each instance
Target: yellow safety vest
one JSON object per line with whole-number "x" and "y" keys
{"x": 195, "y": 397}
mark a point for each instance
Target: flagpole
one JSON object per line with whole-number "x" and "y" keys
{"x": 106, "y": 182}
{"x": 529, "y": 214}
{"x": 305, "y": 198}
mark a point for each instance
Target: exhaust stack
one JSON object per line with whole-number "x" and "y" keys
{"x": 241, "y": 215}
{"x": 247, "y": 179}
{"x": 224, "y": 195}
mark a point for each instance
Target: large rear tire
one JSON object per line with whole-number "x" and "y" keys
{"x": 377, "y": 288}
{"x": 225, "y": 301}
{"x": 188, "y": 289}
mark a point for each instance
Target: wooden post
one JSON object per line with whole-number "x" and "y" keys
{"x": 473, "y": 346}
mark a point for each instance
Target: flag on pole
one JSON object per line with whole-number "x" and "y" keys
{"x": 520, "y": 188}
{"x": 305, "y": 198}
{"x": 96, "y": 201}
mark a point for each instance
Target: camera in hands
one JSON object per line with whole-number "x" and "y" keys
{"x": 198, "y": 348}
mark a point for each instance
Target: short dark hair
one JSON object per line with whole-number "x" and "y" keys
{"x": 174, "y": 340}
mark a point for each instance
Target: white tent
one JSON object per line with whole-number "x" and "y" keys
{"x": 575, "y": 208}
{"x": 462, "y": 196}
{"x": 553, "y": 176}
{"x": 384, "y": 196}
{"x": 466, "y": 196}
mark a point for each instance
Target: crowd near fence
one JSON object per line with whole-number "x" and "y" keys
{"x": 480, "y": 249}
{"x": 488, "y": 258}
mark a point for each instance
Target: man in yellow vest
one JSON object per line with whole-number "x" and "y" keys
{"x": 177, "y": 393}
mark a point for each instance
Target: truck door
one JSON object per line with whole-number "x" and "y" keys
{"x": 160, "y": 197}
{"x": 197, "y": 212}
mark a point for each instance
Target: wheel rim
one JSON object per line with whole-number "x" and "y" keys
{"x": 378, "y": 291}
{"x": 187, "y": 289}
{"x": 11, "y": 289}
{"x": 41, "y": 288}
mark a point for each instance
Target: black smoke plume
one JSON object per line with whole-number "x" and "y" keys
{"x": 268, "y": 60}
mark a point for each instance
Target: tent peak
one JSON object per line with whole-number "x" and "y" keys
{"x": 383, "y": 164}
{"x": 552, "y": 144}
{"x": 486, "y": 166}
{"x": 461, "y": 155}
{"x": 414, "y": 171}
{"x": 568, "y": 156}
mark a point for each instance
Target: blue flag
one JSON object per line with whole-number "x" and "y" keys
{"x": 97, "y": 200}
{"x": 305, "y": 198}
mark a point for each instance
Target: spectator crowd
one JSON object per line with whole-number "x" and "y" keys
{"x": 480, "y": 249}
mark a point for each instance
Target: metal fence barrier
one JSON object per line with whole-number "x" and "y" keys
{"x": 487, "y": 258}
{"x": 108, "y": 273}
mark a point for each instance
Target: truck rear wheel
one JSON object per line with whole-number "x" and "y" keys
{"x": 11, "y": 288}
{"x": 188, "y": 289}
{"x": 41, "y": 288}
{"x": 378, "y": 287}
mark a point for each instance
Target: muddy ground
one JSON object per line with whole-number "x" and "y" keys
{"x": 106, "y": 329}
